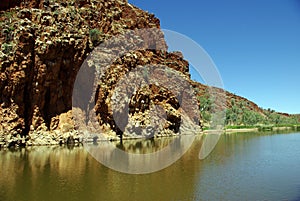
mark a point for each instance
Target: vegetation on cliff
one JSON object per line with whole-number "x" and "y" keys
{"x": 242, "y": 113}
{"x": 43, "y": 45}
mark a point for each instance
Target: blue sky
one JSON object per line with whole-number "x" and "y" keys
{"x": 254, "y": 44}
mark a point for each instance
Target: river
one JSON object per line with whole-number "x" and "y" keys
{"x": 246, "y": 166}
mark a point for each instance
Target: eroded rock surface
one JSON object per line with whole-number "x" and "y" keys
{"x": 44, "y": 44}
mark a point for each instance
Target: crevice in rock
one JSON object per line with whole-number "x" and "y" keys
{"x": 29, "y": 78}
{"x": 27, "y": 118}
{"x": 46, "y": 111}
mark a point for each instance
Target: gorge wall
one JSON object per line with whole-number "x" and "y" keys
{"x": 43, "y": 45}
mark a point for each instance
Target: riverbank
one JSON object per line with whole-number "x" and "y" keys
{"x": 263, "y": 128}
{"x": 241, "y": 130}
{"x": 74, "y": 138}
{"x": 228, "y": 131}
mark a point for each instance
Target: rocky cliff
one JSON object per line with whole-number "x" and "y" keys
{"x": 43, "y": 45}
{"x": 46, "y": 43}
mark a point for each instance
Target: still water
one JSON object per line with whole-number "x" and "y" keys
{"x": 244, "y": 166}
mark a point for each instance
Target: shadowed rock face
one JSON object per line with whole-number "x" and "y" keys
{"x": 6, "y": 4}
{"x": 141, "y": 102}
{"x": 45, "y": 42}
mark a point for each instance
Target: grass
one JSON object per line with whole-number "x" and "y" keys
{"x": 239, "y": 127}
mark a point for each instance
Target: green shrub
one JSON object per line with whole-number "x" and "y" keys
{"x": 6, "y": 48}
{"x": 240, "y": 127}
{"x": 95, "y": 36}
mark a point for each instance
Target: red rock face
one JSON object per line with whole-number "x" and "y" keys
{"x": 42, "y": 51}
{"x": 203, "y": 89}
{"x": 146, "y": 97}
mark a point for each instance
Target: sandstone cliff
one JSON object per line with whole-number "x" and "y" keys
{"x": 43, "y": 45}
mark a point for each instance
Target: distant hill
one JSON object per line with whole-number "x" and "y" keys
{"x": 239, "y": 110}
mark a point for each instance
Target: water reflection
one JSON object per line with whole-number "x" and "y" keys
{"x": 241, "y": 167}
{"x": 141, "y": 156}
{"x": 209, "y": 143}
{"x": 60, "y": 173}
{"x": 28, "y": 168}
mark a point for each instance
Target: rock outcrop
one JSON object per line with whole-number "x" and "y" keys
{"x": 43, "y": 45}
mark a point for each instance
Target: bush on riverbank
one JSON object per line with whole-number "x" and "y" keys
{"x": 239, "y": 115}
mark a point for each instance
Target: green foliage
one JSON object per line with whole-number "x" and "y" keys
{"x": 277, "y": 119}
{"x": 7, "y": 25}
{"x": 205, "y": 103}
{"x": 95, "y": 36}
{"x": 56, "y": 13}
{"x": 240, "y": 115}
{"x": 7, "y": 31}
{"x": 250, "y": 117}
{"x": 239, "y": 127}
{"x": 7, "y": 48}
{"x": 9, "y": 15}
{"x": 234, "y": 115}
{"x": 205, "y": 107}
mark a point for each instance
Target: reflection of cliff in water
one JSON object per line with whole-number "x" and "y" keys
{"x": 144, "y": 146}
{"x": 59, "y": 173}
{"x": 141, "y": 156}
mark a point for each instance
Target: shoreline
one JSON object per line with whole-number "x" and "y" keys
{"x": 240, "y": 130}
{"x": 77, "y": 139}
{"x": 231, "y": 130}
{"x": 73, "y": 138}
{"x": 255, "y": 129}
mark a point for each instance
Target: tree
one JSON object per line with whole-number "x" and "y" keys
{"x": 205, "y": 107}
